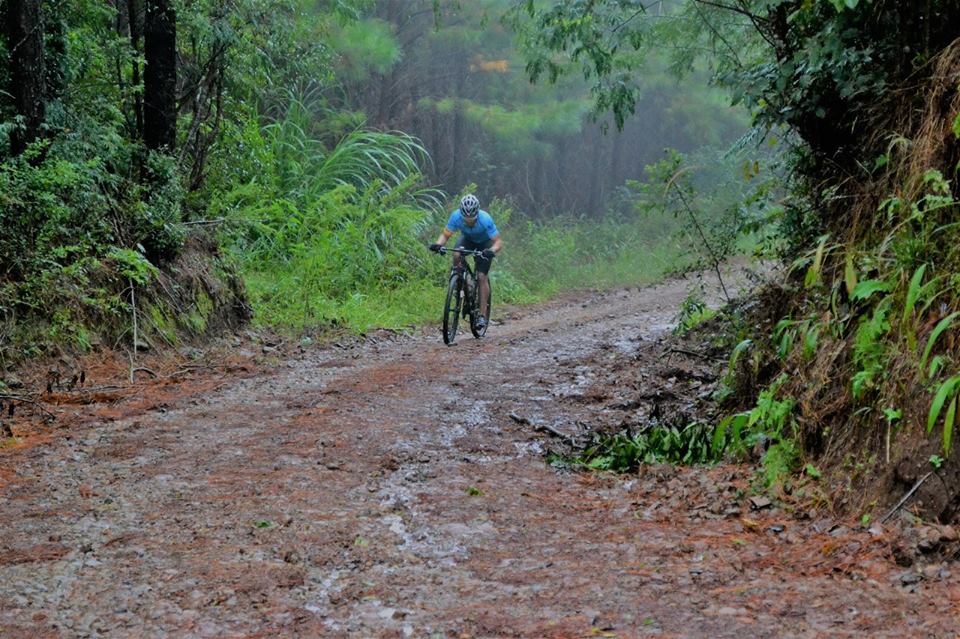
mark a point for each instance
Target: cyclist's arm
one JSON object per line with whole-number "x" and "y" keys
{"x": 497, "y": 243}
{"x": 445, "y": 235}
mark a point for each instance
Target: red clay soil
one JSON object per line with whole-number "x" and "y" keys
{"x": 382, "y": 489}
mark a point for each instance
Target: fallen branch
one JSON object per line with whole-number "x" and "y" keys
{"x": 543, "y": 427}
{"x": 91, "y": 390}
{"x": 519, "y": 419}
{"x": 556, "y": 433}
{"x": 188, "y": 369}
{"x": 32, "y": 402}
{"x": 906, "y": 497}
{"x": 145, "y": 370}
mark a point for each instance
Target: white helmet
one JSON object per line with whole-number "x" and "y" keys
{"x": 469, "y": 206}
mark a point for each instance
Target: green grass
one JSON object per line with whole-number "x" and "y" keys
{"x": 279, "y": 302}
{"x": 631, "y": 266}
{"x": 308, "y": 292}
{"x": 288, "y": 297}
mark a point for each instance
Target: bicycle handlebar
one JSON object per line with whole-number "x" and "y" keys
{"x": 464, "y": 251}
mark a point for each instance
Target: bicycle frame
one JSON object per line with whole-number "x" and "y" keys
{"x": 464, "y": 252}
{"x": 468, "y": 279}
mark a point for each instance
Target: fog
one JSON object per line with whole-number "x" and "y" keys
{"x": 457, "y": 80}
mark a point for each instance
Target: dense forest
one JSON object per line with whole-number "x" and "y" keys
{"x": 171, "y": 168}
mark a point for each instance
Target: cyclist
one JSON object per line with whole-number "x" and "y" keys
{"x": 477, "y": 233}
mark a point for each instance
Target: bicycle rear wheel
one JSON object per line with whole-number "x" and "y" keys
{"x": 451, "y": 310}
{"x": 480, "y": 332}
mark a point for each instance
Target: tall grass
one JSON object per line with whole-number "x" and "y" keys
{"x": 331, "y": 233}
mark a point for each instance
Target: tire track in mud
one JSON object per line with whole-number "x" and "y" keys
{"x": 390, "y": 495}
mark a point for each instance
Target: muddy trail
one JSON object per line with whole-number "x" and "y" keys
{"x": 398, "y": 488}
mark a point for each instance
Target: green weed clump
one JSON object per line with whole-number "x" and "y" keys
{"x": 623, "y": 452}
{"x": 770, "y": 424}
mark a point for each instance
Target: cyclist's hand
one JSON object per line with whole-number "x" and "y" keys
{"x": 488, "y": 254}
{"x": 435, "y": 247}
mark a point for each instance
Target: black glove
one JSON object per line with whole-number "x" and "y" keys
{"x": 435, "y": 247}
{"x": 488, "y": 254}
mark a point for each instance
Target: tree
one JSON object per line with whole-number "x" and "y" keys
{"x": 160, "y": 75}
{"x": 135, "y": 20}
{"x": 24, "y": 30}
{"x": 827, "y": 69}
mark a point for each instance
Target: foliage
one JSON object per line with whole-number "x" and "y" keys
{"x": 770, "y": 423}
{"x": 947, "y": 395}
{"x": 623, "y": 452}
{"x": 693, "y": 312}
{"x": 86, "y": 211}
{"x": 869, "y": 352}
{"x": 811, "y": 65}
{"x": 320, "y": 230}
{"x": 862, "y": 93}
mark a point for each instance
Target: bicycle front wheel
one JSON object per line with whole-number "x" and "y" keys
{"x": 480, "y": 332}
{"x": 451, "y": 310}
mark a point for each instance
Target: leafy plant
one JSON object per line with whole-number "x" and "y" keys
{"x": 946, "y": 395}
{"x": 920, "y": 294}
{"x": 812, "y": 471}
{"x": 780, "y": 460}
{"x": 869, "y": 349}
{"x": 660, "y": 444}
{"x": 132, "y": 265}
{"x": 693, "y": 312}
{"x": 938, "y": 330}
{"x": 769, "y": 420}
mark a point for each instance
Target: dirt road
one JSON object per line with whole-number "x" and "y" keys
{"x": 383, "y": 490}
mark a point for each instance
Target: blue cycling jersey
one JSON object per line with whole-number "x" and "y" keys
{"x": 480, "y": 233}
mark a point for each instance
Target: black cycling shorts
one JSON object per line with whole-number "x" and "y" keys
{"x": 482, "y": 263}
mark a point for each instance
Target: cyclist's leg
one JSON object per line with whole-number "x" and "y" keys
{"x": 483, "y": 270}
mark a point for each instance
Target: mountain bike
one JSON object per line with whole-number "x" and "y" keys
{"x": 463, "y": 297}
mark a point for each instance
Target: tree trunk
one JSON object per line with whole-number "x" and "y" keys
{"x": 596, "y": 177}
{"x": 135, "y": 12}
{"x": 24, "y": 29}
{"x": 160, "y": 75}
{"x": 616, "y": 174}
